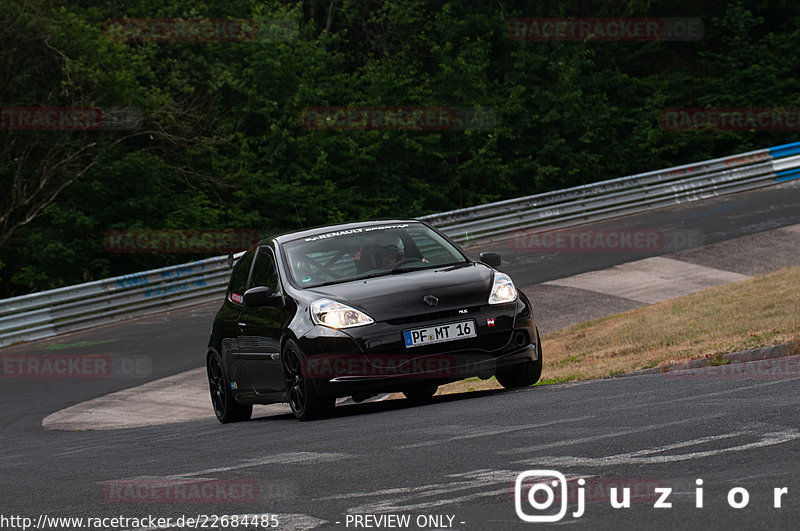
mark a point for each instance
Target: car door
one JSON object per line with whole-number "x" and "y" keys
{"x": 226, "y": 324}
{"x": 260, "y": 330}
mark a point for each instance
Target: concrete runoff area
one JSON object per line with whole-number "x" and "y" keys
{"x": 580, "y": 298}
{"x": 550, "y": 312}
{"x": 651, "y": 280}
{"x": 183, "y": 397}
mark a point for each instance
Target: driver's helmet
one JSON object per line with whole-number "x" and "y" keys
{"x": 387, "y": 250}
{"x": 384, "y": 251}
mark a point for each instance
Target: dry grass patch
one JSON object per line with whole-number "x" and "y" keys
{"x": 754, "y": 313}
{"x": 470, "y": 384}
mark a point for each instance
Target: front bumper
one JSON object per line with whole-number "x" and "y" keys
{"x": 374, "y": 358}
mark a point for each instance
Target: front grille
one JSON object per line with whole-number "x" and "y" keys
{"x": 433, "y": 316}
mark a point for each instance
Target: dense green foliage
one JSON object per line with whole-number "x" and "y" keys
{"x": 221, "y": 143}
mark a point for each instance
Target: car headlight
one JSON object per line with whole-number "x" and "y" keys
{"x": 503, "y": 289}
{"x": 337, "y": 315}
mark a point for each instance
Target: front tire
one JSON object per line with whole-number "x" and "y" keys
{"x": 522, "y": 374}
{"x": 300, "y": 393}
{"x": 422, "y": 392}
{"x": 226, "y": 408}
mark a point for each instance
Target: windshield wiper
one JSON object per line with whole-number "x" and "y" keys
{"x": 352, "y": 279}
{"x": 373, "y": 275}
{"x": 398, "y": 269}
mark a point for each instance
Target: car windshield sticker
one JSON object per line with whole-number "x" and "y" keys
{"x": 359, "y": 230}
{"x": 235, "y": 297}
{"x": 306, "y": 279}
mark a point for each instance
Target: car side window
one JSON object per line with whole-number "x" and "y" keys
{"x": 264, "y": 271}
{"x": 238, "y": 283}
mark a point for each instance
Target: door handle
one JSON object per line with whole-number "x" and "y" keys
{"x": 242, "y": 325}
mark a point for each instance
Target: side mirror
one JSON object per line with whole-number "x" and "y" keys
{"x": 491, "y": 259}
{"x": 261, "y": 296}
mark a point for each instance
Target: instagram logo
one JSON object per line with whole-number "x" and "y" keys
{"x": 544, "y": 482}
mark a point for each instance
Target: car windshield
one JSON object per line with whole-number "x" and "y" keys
{"x": 368, "y": 251}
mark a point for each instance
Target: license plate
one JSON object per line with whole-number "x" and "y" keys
{"x": 418, "y": 337}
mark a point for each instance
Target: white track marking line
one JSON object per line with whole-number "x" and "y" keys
{"x": 642, "y": 457}
{"x": 592, "y": 438}
{"x": 289, "y": 458}
{"x": 492, "y": 432}
{"x": 476, "y": 479}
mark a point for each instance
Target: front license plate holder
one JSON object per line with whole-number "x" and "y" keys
{"x": 442, "y": 333}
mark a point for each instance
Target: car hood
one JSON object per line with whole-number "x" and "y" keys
{"x": 402, "y": 295}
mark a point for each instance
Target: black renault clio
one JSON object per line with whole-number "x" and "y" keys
{"x": 360, "y": 309}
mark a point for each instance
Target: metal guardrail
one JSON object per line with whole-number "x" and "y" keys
{"x": 619, "y": 197}
{"x": 72, "y": 308}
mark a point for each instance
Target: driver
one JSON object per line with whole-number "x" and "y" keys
{"x": 386, "y": 256}
{"x": 383, "y": 254}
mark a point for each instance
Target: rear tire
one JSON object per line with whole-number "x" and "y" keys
{"x": 300, "y": 393}
{"x": 226, "y": 408}
{"x": 522, "y": 374}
